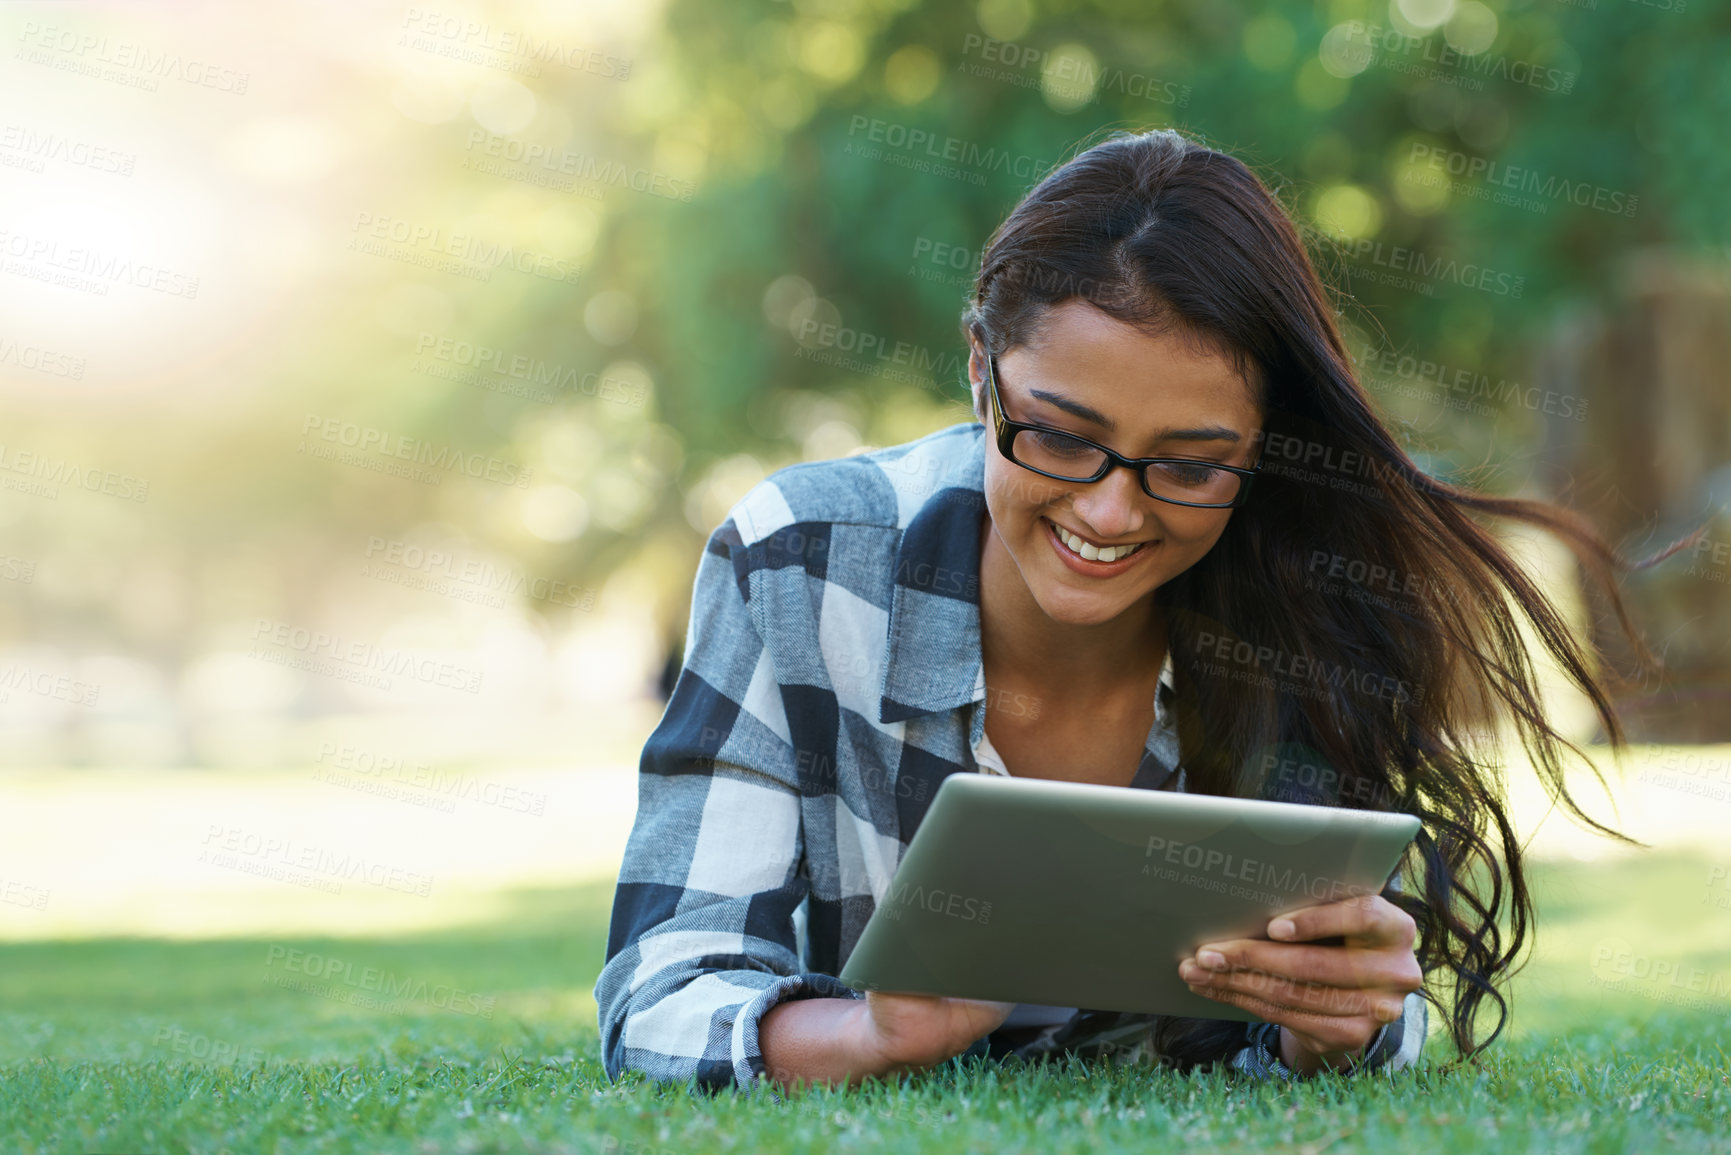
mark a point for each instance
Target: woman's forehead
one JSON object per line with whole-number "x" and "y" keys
{"x": 1113, "y": 390}
{"x": 1077, "y": 349}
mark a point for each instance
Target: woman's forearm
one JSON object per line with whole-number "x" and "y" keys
{"x": 820, "y": 1041}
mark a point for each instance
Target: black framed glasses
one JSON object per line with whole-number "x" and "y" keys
{"x": 1066, "y": 457}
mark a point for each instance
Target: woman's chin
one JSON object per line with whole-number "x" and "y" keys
{"x": 1075, "y": 608}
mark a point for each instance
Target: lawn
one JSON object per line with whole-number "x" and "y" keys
{"x": 489, "y": 1044}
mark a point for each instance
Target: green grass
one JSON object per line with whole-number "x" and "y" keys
{"x": 148, "y": 1045}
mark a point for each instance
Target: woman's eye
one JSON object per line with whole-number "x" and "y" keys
{"x": 1061, "y": 445}
{"x": 1185, "y": 473}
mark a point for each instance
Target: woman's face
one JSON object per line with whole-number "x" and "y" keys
{"x": 1096, "y": 377}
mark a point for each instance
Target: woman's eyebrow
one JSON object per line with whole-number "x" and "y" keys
{"x": 1077, "y": 409}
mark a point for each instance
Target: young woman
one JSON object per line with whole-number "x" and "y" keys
{"x": 1144, "y": 566}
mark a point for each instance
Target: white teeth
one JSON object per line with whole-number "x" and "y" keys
{"x": 1093, "y": 552}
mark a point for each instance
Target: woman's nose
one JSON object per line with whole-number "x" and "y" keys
{"x": 1115, "y": 506}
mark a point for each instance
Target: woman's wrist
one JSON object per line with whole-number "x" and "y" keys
{"x": 820, "y": 1040}
{"x": 863, "y": 1043}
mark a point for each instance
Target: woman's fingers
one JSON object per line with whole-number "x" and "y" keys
{"x": 1323, "y": 1033}
{"x": 1364, "y": 980}
{"x": 1296, "y": 995}
{"x": 1334, "y": 966}
{"x": 1369, "y": 920}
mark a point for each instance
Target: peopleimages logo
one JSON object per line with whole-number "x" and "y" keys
{"x": 35, "y": 148}
{"x": 1618, "y": 965}
{"x": 950, "y": 150}
{"x": 843, "y": 347}
{"x": 89, "y": 269}
{"x": 368, "y": 986}
{"x": 1718, "y": 877}
{"x": 365, "y": 441}
{"x": 460, "y": 38}
{"x": 96, "y": 55}
{"x": 1472, "y": 169}
{"x": 1029, "y": 67}
{"x": 594, "y": 170}
{"x": 1242, "y": 661}
{"x": 1431, "y": 268}
{"x": 1422, "y": 56}
{"x": 241, "y": 849}
{"x": 1231, "y": 868}
{"x": 1459, "y": 388}
{"x": 944, "y": 902}
{"x": 359, "y": 656}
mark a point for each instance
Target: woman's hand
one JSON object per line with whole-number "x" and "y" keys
{"x": 906, "y": 1031}
{"x": 846, "y": 1040}
{"x": 1330, "y": 1001}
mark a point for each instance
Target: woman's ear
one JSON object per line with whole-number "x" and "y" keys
{"x": 977, "y": 379}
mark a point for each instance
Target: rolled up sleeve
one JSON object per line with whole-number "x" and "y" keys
{"x": 702, "y": 940}
{"x": 1394, "y": 1046}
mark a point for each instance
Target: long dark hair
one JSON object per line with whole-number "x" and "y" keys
{"x": 1354, "y": 636}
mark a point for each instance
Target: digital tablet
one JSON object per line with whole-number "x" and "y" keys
{"x": 1069, "y": 894}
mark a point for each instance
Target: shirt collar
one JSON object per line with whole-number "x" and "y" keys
{"x": 932, "y": 661}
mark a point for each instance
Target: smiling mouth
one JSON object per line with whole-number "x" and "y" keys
{"x": 1088, "y": 551}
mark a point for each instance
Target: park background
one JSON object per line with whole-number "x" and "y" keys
{"x": 371, "y": 375}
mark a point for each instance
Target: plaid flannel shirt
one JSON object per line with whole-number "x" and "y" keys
{"x": 832, "y": 679}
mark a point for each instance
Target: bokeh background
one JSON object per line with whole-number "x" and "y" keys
{"x": 371, "y": 375}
